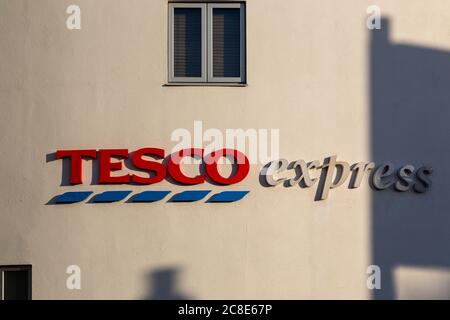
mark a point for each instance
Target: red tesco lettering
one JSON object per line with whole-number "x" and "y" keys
{"x": 110, "y": 160}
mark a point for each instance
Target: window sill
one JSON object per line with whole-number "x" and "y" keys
{"x": 204, "y": 84}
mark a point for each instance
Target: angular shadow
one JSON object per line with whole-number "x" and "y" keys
{"x": 410, "y": 123}
{"x": 163, "y": 285}
{"x": 65, "y": 174}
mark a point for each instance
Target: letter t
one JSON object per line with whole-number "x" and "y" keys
{"x": 75, "y": 162}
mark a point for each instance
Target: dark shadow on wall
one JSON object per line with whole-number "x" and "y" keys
{"x": 410, "y": 123}
{"x": 163, "y": 285}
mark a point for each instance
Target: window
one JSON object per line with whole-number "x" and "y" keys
{"x": 207, "y": 42}
{"x": 15, "y": 283}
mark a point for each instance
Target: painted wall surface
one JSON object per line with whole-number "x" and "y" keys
{"x": 309, "y": 74}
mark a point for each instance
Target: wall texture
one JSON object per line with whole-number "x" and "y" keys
{"x": 309, "y": 74}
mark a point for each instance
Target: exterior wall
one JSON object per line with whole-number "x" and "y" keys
{"x": 102, "y": 87}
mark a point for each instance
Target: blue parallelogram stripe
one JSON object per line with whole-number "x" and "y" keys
{"x": 189, "y": 196}
{"x": 110, "y": 196}
{"x": 228, "y": 196}
{"x": 73, "y": 196}
{"x": 149, "y": 196}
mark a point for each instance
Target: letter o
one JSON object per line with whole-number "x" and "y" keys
{"x": 173, "y": 166}
{"x": 243, "y": 166}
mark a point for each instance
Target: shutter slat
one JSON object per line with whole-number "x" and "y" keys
{"x": 187, "y": 44}
{"x": 226, "y": 42}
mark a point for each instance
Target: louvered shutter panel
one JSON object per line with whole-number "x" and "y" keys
{"x": 226, "y": 38}
{"x": 187, "y": 42}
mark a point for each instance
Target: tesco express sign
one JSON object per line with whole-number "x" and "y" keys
{"x": 329, "y": 174}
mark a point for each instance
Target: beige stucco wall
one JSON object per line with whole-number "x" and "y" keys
{"x": 102, "y": 87}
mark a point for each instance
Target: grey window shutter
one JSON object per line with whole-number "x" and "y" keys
{"x": 187, "y": 42}
{"x": 226, "y": 38}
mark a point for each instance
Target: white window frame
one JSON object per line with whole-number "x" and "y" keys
{"x": 211, "y": 77}
{"x": 207, "y": 43}
{"x": 2, "y": 289}
{"x": 172, "y": 77}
